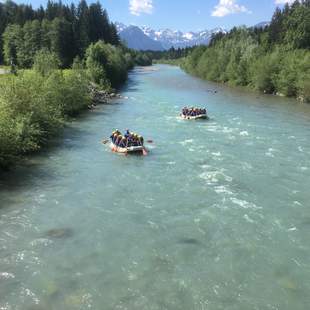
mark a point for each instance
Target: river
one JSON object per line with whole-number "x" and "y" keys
{"x": 216, "y": 217}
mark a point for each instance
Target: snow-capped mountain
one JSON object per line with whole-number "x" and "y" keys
{"x": 168, "y": 38}
{"x": 175, "y": 38}
{"x": 136, "y": 39}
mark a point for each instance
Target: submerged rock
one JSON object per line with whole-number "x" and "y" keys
{"x": 60, "y": 233}
{"x": 79, "y": 299}
{"x": 192, "y": 241}
{"x": 288, "y": 284}
{"x": 51, "y": 289}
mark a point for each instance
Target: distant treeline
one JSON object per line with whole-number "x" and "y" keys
{"x": 275, "y": 59}
{"x": 171, "y": 54}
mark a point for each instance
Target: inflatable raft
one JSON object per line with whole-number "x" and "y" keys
{"x": 126, "y": 150}
{"x": 200, "y": 116}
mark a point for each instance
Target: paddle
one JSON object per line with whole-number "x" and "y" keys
{"x": 144, "y": 151}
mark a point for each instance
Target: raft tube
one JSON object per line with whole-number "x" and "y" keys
{"x": 200, "y": 116}
{"x": 126, "y": 150}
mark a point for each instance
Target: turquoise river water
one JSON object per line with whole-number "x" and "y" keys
{"x": 216, "y": 217}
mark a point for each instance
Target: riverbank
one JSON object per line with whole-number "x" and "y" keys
{"x": 246, "y": 89}
{"x": 281, "y": 71}
{"x": 302, "y": 96}
{"x": 35, "y": 108}
{"x": 14, "y": 148}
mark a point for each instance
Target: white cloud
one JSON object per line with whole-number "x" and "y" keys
{"x": 226, "y": 7}
{"x": 284, "y": 1}
{"x": 138, "y": 7}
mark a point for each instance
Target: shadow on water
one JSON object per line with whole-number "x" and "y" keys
{"x": 130, "y": 87}
{"x": 190, "y": 241}
{"x": 59, "y": 233}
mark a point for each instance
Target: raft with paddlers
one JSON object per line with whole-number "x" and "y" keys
{"x": 128, "y": 143}
{"x": 194, "y": 113}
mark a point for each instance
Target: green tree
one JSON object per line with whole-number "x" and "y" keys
{"x": 31, "y": 43}
{"x": 45, "y": 62}
{"x": 12, "y": 43}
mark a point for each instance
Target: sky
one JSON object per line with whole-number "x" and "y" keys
{"x": 186, "y": 15}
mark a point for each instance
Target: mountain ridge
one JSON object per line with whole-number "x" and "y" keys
{"x": 136, "y": 39}
{"x": 163, "y": 39}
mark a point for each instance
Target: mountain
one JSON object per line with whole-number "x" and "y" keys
{"x": 136, "y": 39}
{"x": 146, "y": 38}
{"x": 178, "y": 39}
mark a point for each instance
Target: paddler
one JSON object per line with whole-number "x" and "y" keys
{"x": 123, "y": 142}
{"x": 127, "y": 134}
{"x": 118, "y": 140}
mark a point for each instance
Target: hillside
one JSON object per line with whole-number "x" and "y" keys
{"x": 273, "y": 59}
{"x": 135, "y": 38}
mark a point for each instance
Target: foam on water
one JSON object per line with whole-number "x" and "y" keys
{"x": 221, "y": 189}
{"x": 244, "y": 204}
{"x": 244, "y": 133}
{"x": 185, "y": 142}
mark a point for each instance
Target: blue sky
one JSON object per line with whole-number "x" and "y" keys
{"x": 186, "y": 15}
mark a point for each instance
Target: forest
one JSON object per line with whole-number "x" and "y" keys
{"x": 57, "y": 55}
{"x": 273, "y": 60}
{"x": 171, "y": 54}
{"x": 65, "y": 30}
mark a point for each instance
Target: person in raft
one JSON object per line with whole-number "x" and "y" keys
{"x": 127, "y": 140}
{"x": 193, "y": 111}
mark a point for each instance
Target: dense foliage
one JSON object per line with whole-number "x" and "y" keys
{"x": 107, "y": 65}
{"x": 65, "y": 30}
{"x": 275, "y": 59}
{"x": 35, "y": 103}
{"x": 171, "y": 54}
